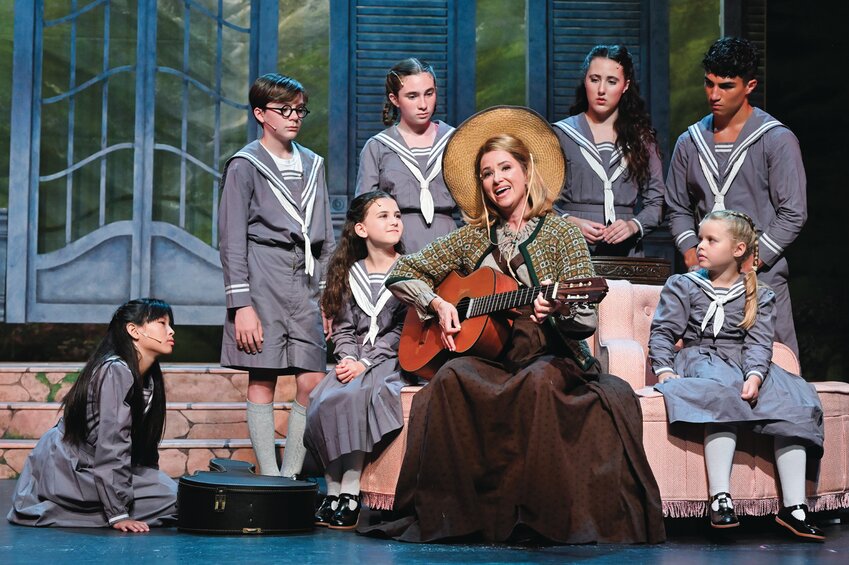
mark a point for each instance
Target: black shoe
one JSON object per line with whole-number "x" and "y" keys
{"x": 344, "y": 518}
{"x": 800, "y": 528}
{"x": 725, "y": 517}
{"x": 325, "y": 511}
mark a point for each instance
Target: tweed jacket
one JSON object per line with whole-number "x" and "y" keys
{"x": 556, "y": 250}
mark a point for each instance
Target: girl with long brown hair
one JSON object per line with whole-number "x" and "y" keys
{"x": 359, "y": 401}
{"x": 614, "y": 177}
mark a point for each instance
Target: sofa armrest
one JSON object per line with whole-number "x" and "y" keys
{"x": 626, "y": 359}
{"x": 784, "y": 357}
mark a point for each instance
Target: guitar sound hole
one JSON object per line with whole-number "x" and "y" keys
{"x": 463, "y": 308}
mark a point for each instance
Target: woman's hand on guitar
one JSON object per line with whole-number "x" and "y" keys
{"x": 348, "y": 370}
{"x": 544, "y": 308}
{"x": 449, "y": 321}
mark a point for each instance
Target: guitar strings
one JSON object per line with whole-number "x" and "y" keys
{"x": 514, "y": 298}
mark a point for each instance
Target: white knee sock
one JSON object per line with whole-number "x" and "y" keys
{"x": 333, "y": 477}
{"x": 791, "y": 460}
{"x": 295, "y": 452}
{"x": 352, "y": 463}
{"x": 261, "y": 429}
{"x": 720, "y": 443}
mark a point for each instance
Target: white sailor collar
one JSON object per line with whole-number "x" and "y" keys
{"x": 302, "y": 211}
{"x": 369, "y": 302}
{"x": 719, "y": 297}
{"x": 578, "y": 129}
{"x": 392, "y": 139}
{"x": 701, "y": 132}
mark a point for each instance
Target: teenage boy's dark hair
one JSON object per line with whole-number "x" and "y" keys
{"x": 273, "y": 87}
{"x": 732, "y": 57}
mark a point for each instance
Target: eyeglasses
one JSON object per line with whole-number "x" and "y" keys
{"x": 287, "y": 110}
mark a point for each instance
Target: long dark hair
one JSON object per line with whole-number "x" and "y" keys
{"x": 395, "y": 81}
{"x": 351, "y": 248}
{"x": 634, "y": 132}
{"x": 146, "y": 428}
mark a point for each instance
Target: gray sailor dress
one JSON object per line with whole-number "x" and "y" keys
{"x": 718, "y": 356}
{"x": 343, "y": 418}
{"x": 599, "y": 188}
{"x": 762, "y": 175}
{"x": 275, "y": 238}
{"x": 94, "y": 484}
{"x": 414, "y": 179}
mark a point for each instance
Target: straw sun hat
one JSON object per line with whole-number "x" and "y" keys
{"x": 458, "y": 161}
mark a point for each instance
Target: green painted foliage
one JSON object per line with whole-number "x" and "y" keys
{"x": 501, "y": 49}
{"x": 53, "y": 389}
{"x": 693, "y": 26}
{"x": 304, "y": 53}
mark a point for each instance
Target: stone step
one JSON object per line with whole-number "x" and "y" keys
{"x": 183, "y": 420}
{"x": 184, "y": 382}
{"x": 176, "y": 456}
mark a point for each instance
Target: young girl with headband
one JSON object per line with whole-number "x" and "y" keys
{"x": 359, "y": 401}
{"x": 723, "y": 377}
{"x": 405, "y": 160}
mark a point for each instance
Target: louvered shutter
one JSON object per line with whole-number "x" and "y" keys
{"x": 380, "y": 33}
{"x": 562, "y": 32}
{"x": 576, "y": 27}
{"x": 747, "y": 18}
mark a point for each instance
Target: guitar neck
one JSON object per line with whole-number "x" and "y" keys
{"x": 484, "y": 305}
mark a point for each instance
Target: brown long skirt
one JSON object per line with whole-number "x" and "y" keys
{"x": 495, "y": 449}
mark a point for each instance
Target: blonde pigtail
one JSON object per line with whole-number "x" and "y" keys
{"x": 750, "y": 309}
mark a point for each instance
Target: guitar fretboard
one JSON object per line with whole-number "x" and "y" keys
{"x": 484, "y": 305}
{"x": 506, "y": 300}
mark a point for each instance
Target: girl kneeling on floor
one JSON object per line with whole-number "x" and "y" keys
{"x": 359, "y": 401}
{"x": 99, "y": 465}
{"x": 727, "y": 323}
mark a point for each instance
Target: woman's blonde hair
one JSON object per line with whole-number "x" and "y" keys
{"x": 539, "y": 198}
{"x": 742, "y": 230}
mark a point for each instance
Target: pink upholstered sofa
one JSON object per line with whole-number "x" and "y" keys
{"x": 674, "y": 452}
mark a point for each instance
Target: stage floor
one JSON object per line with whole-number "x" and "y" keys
{"x": 757, "y": 541}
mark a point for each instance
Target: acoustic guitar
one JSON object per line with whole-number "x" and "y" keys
{"x": 477, "y": 297}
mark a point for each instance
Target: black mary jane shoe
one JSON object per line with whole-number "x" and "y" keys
{"x": 345, "y": 518}
{"x": 725, "y": 517}
{"x": 325, "y": 511}
{"x": 799, "y": 528}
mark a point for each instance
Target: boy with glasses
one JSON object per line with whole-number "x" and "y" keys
{"x": 275, "y": 238}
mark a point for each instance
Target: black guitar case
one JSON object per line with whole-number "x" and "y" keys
{"x": 231, "y": 499}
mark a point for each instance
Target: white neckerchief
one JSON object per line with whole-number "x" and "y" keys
{"x": 710, "y": 167}
{"x": 361, "y": 289}
{"x": 596, "y": 163}
{"x": 284, "y": 196}
{"x": 609, "y": 208}
{"x": 407, "y": 157}
{"x": 719, "y": 298}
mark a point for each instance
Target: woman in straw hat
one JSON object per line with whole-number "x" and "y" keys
{"x": 536, "y": 443}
